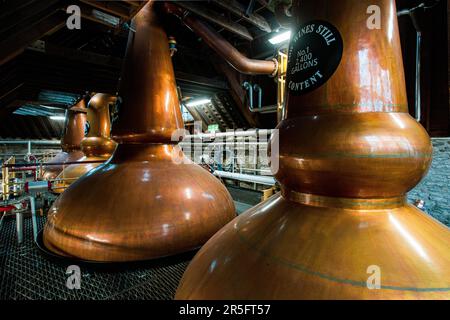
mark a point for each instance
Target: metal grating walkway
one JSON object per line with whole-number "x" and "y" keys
{"x": 26, "y": 274}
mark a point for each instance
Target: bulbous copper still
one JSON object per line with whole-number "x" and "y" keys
{"x": 349, "y": 151}
{"x": 70, "y": 142}
{"x": 96, "y": 146}
{"x": 141, "y": 204}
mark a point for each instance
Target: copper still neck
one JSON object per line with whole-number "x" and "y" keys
{"x": 151, "y": 111}
{"x": 74, "y": 126}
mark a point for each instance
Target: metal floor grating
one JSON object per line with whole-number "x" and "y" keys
{"x": 26, "y": 274}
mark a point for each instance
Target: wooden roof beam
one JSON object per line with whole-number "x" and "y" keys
{"x": 239, "y": 10}
{"x": 217, "y": 19}
{"x": 112, "y": 7}
{"x": 17, "y": 43}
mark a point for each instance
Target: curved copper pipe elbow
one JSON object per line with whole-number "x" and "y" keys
{"x": 283, "y": 15}
{"x": 219, "y": 44}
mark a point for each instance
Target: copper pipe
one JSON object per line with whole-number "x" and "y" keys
{"x": 43, "y": 164}
{"x": 70, "y": 142}
{"x": 283, "y": 15}
{"x": 152, "y": 112}
{"x": 220, "y": 45}
{"x": 141, "y": 204}
{"x": 96, "y": 147}
{"x": 348, "y": 154}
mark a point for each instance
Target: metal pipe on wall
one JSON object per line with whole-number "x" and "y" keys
{"x": 247, "y": 133}
{"x": 258, "y": 89}
{"x": 37, "y": 142}
{"x": 249, "y": 88}
{"x": 418, "y": 79}
{"x": 267, "y": 109}
{"x": 266, "y": 180}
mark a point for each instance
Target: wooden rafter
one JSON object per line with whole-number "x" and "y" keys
{"x": 112, "y": 7}
{"x": 217, "y": 19}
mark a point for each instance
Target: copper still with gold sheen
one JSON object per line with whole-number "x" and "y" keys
{"x": 141, "y": 204}
{"x": 348, "y": 154}
{"x": 96, "y": 146}
{"x": 71, "y": 139}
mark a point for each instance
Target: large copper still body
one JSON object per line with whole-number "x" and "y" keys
{"x": 70, "y": 142}
{"x": 349, "y": 151}
{"x": 96, "y": 146}
{"x": 141, "y": 204}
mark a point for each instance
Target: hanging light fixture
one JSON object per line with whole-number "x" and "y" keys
{"x": 349, "y": 152}
{"x": 96, "y": 146}
{"x": 71, "y": 139}
{"x": 141, "y": 204}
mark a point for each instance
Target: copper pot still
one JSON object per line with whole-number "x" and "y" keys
{"x": 348, "y": 154}
{"x": 141, "y": 204}
{"x": 96, "y": 146}
{"x": 70, "y": 142}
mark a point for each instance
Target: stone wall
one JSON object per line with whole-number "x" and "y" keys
{"x": 435, "y": 187}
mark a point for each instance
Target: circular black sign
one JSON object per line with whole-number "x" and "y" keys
{"x": 314, "y": 54}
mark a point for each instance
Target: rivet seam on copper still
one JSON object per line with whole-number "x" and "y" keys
{"x": 346, "y": 155}
{"x": 347, "y": 203}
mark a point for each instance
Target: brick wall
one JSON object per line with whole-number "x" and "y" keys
{"x": 435, "y": 187}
